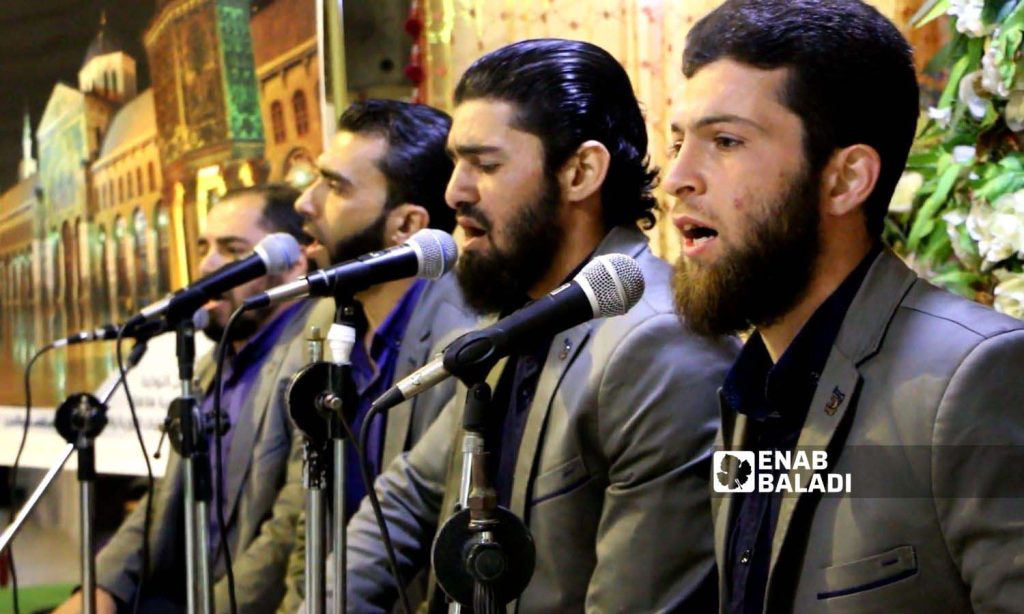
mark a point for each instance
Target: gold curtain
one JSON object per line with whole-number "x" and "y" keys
{"x": 646, "y": 36}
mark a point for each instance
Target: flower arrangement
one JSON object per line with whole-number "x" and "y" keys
{"x": 958, "y": 213}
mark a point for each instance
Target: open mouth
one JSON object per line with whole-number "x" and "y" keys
{"x": 698, "y": 235}
{"x": 472, "y": 229}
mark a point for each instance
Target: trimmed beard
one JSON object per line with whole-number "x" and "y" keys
{"x": 369, "y": 239}
{"x": 759, "y": 281}
{"x": 498, "y": 280}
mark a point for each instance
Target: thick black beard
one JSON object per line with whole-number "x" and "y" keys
{"x": 498, "y": 281}
{"x": 369, "y": 239}
{"x": 761, "y": 280}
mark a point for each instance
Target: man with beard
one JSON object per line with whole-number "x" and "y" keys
{"x": 267, "y": 347}
{"x": 598, "y": 437}
{"x": 792, "y": 130}
{"x": 382, "y": 179}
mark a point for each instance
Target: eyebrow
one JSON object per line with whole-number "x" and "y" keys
{"x": 471, "y": 150}
{"x": 725, "y": 118}
{"x": 224, "y": 241}
{"x": 332, "y": 176}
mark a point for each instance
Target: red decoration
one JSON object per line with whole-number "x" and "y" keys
{"x": 414, "y": 73}
{"x": 414, "y": 26}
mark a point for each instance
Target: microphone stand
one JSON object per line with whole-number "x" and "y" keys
{"x": 79, "y": 419}
{"x": 318, "y": 398}
{"x": 484, "y": 555}
{"x": 189, "y": 439}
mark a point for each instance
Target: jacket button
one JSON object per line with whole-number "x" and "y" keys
{"x": 745, "y": 557}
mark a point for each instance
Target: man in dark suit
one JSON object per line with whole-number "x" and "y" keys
{"x": 382, "y": 179}
{"x": 598, "y": 436}
{"x": 265, "y": 350}
{"x": 792, "y": 129}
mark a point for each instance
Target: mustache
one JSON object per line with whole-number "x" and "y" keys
{"x": 474, "y": 213}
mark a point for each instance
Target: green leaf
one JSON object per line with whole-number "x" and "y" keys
{"x": 999, "y": 185}
{"x": 952, "y": 91}
{"x": 929, "y": 11}
{"x": 924, "y": 223}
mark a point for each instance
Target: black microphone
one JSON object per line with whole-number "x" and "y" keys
{"x": 429, "y": 253}
{"x": 275, "y": 254}
{"x": 607, "y": 286}
{"x": 145, "y": 330}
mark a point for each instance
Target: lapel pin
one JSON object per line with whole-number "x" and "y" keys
{"x": 567, "y": 345}
{"x": 834, "y": 401}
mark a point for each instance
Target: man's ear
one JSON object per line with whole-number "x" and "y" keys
{"x": 583, "y": 174}
{"x": 404, "y": 221}
{"x": 849, "y": 179}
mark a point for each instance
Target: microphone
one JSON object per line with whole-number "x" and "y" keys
{"x": 275, "y": 254}
{"x": 429, "y": 253}
{"x": 607, "y": 286}
{"x": 146, "y": 330}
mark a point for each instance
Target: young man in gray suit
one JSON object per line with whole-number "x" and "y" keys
{"x": 599, "y": 436}
{"x": 266, "y": 349}
{"x": 791, "y": 132}
{"x": 382, "y": 179}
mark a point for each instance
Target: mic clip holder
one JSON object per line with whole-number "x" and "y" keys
{"x": 322, "y": 400}
{"x": 484, "y": 555}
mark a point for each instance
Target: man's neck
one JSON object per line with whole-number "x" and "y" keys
{"x": 831, "y": 268}
{"x": 378, "y": 302}
{"x": 577, "y": 245}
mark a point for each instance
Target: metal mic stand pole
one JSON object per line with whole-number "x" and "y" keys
{"x": 340, "y": 398}
{"x": 193, "y": 448}
{"x": 79, "y": 420}
{"x": 484, "y": 555}
{"x": 302, "y": 398}
{"x": 318, "y": 396}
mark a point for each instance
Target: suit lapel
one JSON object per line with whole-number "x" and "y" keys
{"x": 732, "y": 437}
{"x": 831, "y": 402}
{"x": 243, "y": 440}
{"x": 561, "y": 354}
{"x": 399, "y": 419}
{"x": 860, "y": 336}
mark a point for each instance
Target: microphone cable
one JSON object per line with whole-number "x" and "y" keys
{"x": 378, "y": 513}
{"x": 218, "y": 430}
{"x": 123, "y": 372}
{"x": 12, "y": 483}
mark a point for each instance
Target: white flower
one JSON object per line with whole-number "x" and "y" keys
{"x": 968, "y": 17}
{"x": 1010, "y": 294}
{"x": 954, "y": 222}
{"x": 999, "y": 229}
{"x": 964, "y": 154}
{"x": 991, "y": 79}
{"x": 973, "y": 96}
{"x": 1015, "y": 111}
{"x": 941, "y": 116}
{"x": 903, "y": 198}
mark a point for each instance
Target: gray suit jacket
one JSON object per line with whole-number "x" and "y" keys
{"x": 440, "y": 316}
{"x": 917, "y": 384}
{"x": 259, "y": 534}
{"x": 611, "y": 474}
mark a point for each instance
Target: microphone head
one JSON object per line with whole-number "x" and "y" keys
{"x": 613, "y": 283}
{"x": 436, "y": 252}
{"x": 279, "y": 251}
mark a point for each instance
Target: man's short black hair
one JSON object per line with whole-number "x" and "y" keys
{"x": 852, "y": 76}
{"x": 416, "y": 166}
{"x": 278, "y": 213}
{"x": 565, "y": 93}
